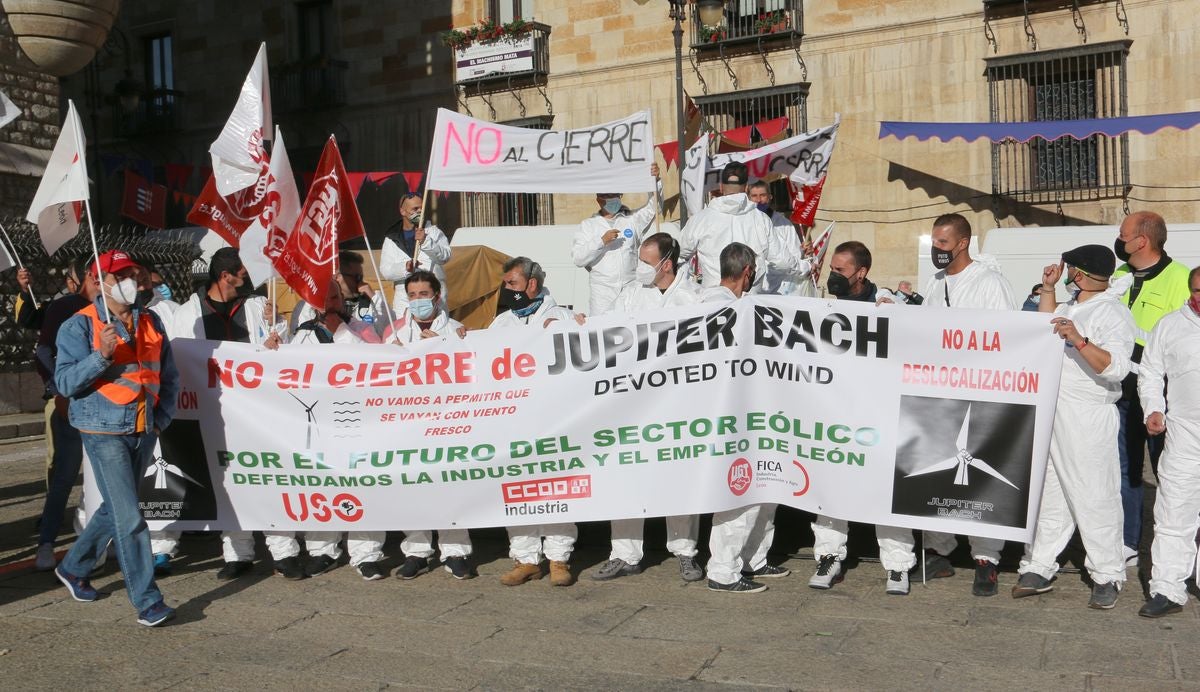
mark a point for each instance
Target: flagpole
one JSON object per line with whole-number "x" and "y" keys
{"x": 387, "y": 307}
{"x": 20, "y": 264}
{"x": 87, "y": 205}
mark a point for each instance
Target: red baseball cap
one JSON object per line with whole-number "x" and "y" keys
{"x": 114, "y": 261}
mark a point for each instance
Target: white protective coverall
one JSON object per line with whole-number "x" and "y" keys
{"x": 187, "y": 323}
{"x": 783, "y": 283}
{"x": 1083, "y": 477}
{"x": 980, "y": 286}
{"x": 375, "y": 315}
{"x": 431, "y": 256}
{"x": 527, "y": 544}
{"x": 611, "y": 266}
{"x": 734, "y": 218}
{"x": 364, "y": 546}
{"x": 1173, "y": 352}
{"x": 681, "y": 530}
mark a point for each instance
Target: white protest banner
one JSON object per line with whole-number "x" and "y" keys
{"x": 470, "y": 155}
{"x": 696, "y": 166}
{"x": 931, "y": 419}
{"x": 802, "y": 158}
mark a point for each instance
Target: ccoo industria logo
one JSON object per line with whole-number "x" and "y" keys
{"x": 967, "y": 460}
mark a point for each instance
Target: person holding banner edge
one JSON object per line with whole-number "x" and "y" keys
{"x": 408, "y": 247}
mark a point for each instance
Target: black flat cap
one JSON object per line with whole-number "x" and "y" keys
{"x": 1095, "y": 260}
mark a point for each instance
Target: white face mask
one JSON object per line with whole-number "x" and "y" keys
{"x": 645, "y": 274}
{"x": 124, "y": 292}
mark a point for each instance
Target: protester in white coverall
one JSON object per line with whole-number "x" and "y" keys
{"x": 731, "y": 218}
{"x": 363, "y": 304}
{"x": 426, "y": 318}
{"x": 740, "y": 537}
{"x": 1173, "y": 354}
{"x": 963, "y": 282}
{"x": 531, "y": 303}
{"x": 333, "y": 326}
{"x": 407, "y": 248}
{"x": 606, "y": 245}
{"x": 659, "y": 282}
{"x": 1083, "y": 476}
{"x": 791, "y": 240}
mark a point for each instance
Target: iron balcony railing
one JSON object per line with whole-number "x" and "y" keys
{"x": 309, "y": 84}
{"x": 158, "y": 112}
{"x": 750, "y": 23}
{"x": 533, "y": 63}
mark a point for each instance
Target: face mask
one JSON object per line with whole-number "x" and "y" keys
{"x": 125, "y": 292}
{"x": 414, "y": 217}
{"x": 1120, "y": 251}
{"x": 422, "y": 308}
{"x": 765, "y": 207}
{"x": 838, "y": 285}
{"x": 144, "y": 297}
{"x": 511, "y": 298}
{"x": 941, "y": 258}
{"x": 645, "y": 274}
{"x": 245, "y": 288}
{"x": 164, "y": 291}
{"x": 612, "y": 205}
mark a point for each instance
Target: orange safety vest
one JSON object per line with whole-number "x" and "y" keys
{"x": 137, "y": 366}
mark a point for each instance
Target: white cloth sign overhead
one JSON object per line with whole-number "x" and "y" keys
{"x": 931, "y": 419}
{"x": 802, "y": 159}
{"x": 470, "y": 155}
{"x": 693, "y": 175}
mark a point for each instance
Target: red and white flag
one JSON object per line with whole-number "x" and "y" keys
{"x": 807, "y": 181}
{"x": 57, "y": 206}
{"x": 265, "y": 237}
{"x": 144, "y": 201}
{"x": 238, "y": 158}
{"x": 329, "y": 217}
{"x": 820, "y": 247}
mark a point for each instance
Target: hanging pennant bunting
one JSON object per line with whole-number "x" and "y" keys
{"x": 413, "y": 179}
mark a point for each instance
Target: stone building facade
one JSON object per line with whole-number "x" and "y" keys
{"x": 25, "y": 143}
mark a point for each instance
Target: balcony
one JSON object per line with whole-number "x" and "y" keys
{"x": 311, "y": 84}
{"x": 749, "y": 26}
{"x": 513, "y": 60}
{"x": 155, "y": 112}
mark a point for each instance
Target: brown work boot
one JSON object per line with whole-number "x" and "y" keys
{"x": 560, "y": 573}
{"x": 521, "y": 573}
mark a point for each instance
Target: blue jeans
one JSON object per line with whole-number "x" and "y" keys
{"x": 1132, "y": 443}
{"x": 117, "y": 461}
{"x": 64, "y": 470}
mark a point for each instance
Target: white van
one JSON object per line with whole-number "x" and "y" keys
{"x": 1024, "y": 252}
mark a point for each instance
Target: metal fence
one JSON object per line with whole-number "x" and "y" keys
{"x": 172, "y": 253}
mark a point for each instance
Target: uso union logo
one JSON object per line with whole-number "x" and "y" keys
{"x": 740, "y": 476}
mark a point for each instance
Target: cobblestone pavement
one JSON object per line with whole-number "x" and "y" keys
{"x": 646, "y": 632}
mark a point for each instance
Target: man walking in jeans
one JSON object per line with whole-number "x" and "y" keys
{"x": 115, "y": 364}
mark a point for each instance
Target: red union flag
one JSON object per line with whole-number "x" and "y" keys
{"x": 229, "y": 217}
{"x": 329, "y": 217}
{"x": 144, "y": 201}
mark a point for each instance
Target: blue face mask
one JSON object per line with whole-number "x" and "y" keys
{"x": 765, "y": 207}
{"x": 612, "y": 205}
{"x": 164, "y": 291}
{"x": 422, "y": 308}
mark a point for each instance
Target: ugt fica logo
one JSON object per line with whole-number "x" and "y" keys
{"x": 970, "y": 460}
{"x": 741, "y": 474}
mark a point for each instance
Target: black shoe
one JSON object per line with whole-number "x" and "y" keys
{"x": 459, "y": 567}
{"x": 371, "y": 571}
{"x": 985, "y": 579}
{"x": 742, "y": 585}
{"x": 1158, "y": 606}
{"x": 1030, "y": 584}
{"x": 319, "y": 564}
{"x": 290, "y": 568}
{"x": 937, "y": 566}
{"x": 767, "y": 572}
{"x": 233, "y": 570}
{"x": 412, "y": 567}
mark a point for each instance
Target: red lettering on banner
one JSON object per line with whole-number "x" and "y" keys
{"x": 347, "y": 507}
{"x": 248, "y": 375}
{"x": 563, "y": 488}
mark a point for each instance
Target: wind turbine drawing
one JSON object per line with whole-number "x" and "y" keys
{"x": 159, "y": 468}
{"x": 312, "y": 420}
{"x": 962, "y": 461}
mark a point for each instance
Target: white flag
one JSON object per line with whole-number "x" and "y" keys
{"x": 8, "y": 110}
{"x": 695, "y": 168}
{"x": 265, "y": 236}
{"x": 57, "y": 208}
{"x": 238, "y": 157}
{"x": 820, "y": 248}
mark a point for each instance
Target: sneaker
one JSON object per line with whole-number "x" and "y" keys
{"x": 1104, "y": 596}
{"x": 897, "y": 582}
{"x": 412, "y": 567}
{"x": 1030, "y": 584}
{"x": 616, "y": 567}
{"x": 1158, "y": 606}
{"x": 371, "y": 571}
{"x": 233, "y": 570}
{"x": 290, "y": 568}
{"x": 937, "y": 566}
{"x": 45, "y": 560}
{"x": 162, "y": 565}
{"x": 1131, "y": 557}
{"x": 156, "y": 615}
{"x": 521, "y": 573}
{"x": 80, "y": 588}
{"x": 985, "y": 579}
{"x": 829, "y": 572}
{"x": 560, "y": 573}
{"x": 767, "y": 571}
{"x": 459, "y": 567}
{"x": 742, "y": 585}
{"x": 689, "y": 570}
{"x": 319, "y": 564}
